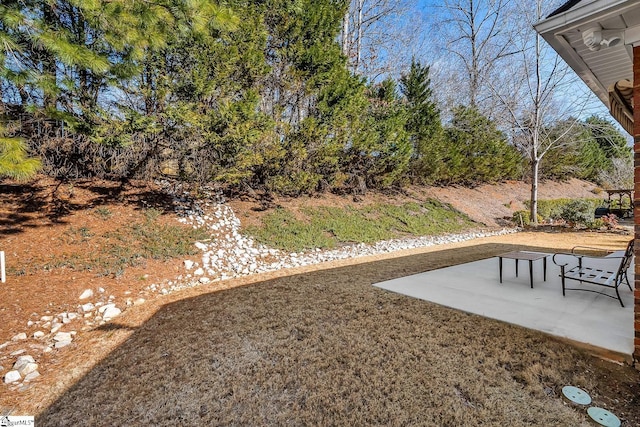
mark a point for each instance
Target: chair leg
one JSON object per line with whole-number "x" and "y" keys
{"x": 618, "y": 294}
{"x": 626, "y": 278}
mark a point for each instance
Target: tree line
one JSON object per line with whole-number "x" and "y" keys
{"x": 248, "y": 94}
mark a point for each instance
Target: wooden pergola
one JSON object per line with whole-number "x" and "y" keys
{"x": 620, "y": 209}
{"x": 600, "y": 41}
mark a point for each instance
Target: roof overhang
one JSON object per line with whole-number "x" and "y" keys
{"x": 595, "y": 38}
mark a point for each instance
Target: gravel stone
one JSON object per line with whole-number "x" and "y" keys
{"x": 11, "y": 377}
{"x": 19, "y": 337}
{"x": 87, "y": 293}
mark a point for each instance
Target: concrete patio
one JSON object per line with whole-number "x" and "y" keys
{"x": 585, "y": 317}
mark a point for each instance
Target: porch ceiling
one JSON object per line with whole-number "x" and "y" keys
{"x": 595, "y": 37}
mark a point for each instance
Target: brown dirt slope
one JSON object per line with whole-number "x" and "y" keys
{"x": 490, "y": 204}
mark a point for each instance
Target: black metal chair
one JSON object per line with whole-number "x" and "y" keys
{"x": 609, "y": 271}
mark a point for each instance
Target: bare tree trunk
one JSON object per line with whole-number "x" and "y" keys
{"x": 359, "y": 35}
{"x": 537, "y": 124}
{"x": 474, "y": 72}
{"x": 535, "y": 167}
{"x": 345, "y": 34}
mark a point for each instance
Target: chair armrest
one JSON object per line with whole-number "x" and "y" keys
{"x": 566, "y": 254}
{"x": 583, "y": 260}
{"x": 591, "y": 248}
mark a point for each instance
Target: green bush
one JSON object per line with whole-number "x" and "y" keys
{"x": 555, "y": 208}
{"x": 596, "y": 224}
{"x": 523, "y": 218}
{"x": 578, "y": 212}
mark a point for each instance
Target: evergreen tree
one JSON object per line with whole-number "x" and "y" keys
{"x": 423, "y": 123}
{"x": 14, "y": 161}
{"x": 608, "y": 137}
{"x": 478, "y": 151}
{"x": 64, "y": 58}
{"x": 585, "y": 150}
{"x": 380, "y": 157}
{"x": 577, "y": 153}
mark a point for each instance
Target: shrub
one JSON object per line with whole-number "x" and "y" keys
{"x": 596, "y": 224}
{"x": 610, "y": 221}
{"x": 523, "y": 218}
{"x": 554, "y": 208}
{"x": 578, "y": 212}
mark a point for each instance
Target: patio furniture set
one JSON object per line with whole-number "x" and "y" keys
{"x": 608, "y": 272}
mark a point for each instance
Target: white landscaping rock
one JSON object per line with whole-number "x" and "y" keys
{"x": 38, "y": 334}
{"x": 111, "y": 312}
{"x": 28, "y": 369}
{"x": 87, "y": 307}
{"x": 23, "y": 360}
{"x": 88, "y": 293}
{"x": 31, "y": 376}
{"x": 229, "y": 254}
{"x": 102, "y": 309}
{"x": 61, "y": 344}
{"x": 63, "y": 336}
{"x": 25, "y": 365}
{"x": 12, "y": 377}
{"x": 19, "y": 337}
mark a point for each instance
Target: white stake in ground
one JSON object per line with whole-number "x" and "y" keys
{"x": 3, "y": 277}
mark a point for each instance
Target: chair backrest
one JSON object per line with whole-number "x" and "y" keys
{"x": 626, "y": 259}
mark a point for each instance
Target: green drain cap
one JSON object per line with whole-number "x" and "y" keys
{"x": 576, "y": 395}
{"x": 603, "y": 417}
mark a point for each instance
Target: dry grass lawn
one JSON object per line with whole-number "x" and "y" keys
{"x": 327, "y": 348}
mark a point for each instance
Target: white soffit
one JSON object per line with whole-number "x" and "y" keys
{"x": 598, "y": 69}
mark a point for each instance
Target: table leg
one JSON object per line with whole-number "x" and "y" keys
{"x": 500, "y": 267}
{"x": 516, "y": 268}
{"x": 531, "y": 272}
{"x": 544, "y": 268}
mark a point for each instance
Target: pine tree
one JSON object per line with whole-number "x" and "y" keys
{"x": 423, "y": 124}
{"x": 479, "y": 150}
{"x": 14, "y": 161}
{"x": 608, "y": 137}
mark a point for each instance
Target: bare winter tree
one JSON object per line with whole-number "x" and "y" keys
{"x": 372, "y": 31}
{"x": 538, "y": 90}
{"x": 620, "y": 175}
{"x": 477, "y": 34}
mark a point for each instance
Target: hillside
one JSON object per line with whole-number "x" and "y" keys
{"x": 487, "y": 204}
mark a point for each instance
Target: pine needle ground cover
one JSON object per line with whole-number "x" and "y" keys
{"x": 327, "y": 348}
